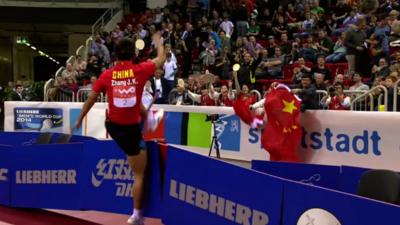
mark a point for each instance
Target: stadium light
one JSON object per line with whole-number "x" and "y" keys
{"x": 33, "y": 47}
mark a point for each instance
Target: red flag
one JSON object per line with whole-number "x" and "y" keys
{"x": 282, "y": 135}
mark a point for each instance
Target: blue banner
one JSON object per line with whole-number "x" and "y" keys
{"x": 200, "y": 190}
{"x": 110, "y": 179}
{"x": 38, "y": 119}
{"x": 349, "y": 178}
{"x": 5, "y": 173}
{"x": 306, "y": 204}
{"x": 18, "y": 138}
{"x": 47, "y": 176}
{"x": 320, "y": 175}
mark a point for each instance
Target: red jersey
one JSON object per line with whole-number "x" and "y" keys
{"x": 124, "y": 85}
{"x": 225, "y": 101}
{"x": 207, "y": 100}
{"x": 335, "y": 104}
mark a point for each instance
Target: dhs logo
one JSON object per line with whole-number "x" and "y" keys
{"x": 116, "y": 171}
{"x": 3, "y": 174}
{"x": 227, "y": 130}
{"x": 317, "y": 217}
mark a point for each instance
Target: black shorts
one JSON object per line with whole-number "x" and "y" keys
{"x": 128, "y": 137}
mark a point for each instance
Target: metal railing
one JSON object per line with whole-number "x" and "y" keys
{"x": 395, "y": 95}
{"x": 101, "y": 22}
{"x": 83, "y": 94}
{"x": 371, "y": 94}
{"x": 47, "y": 86}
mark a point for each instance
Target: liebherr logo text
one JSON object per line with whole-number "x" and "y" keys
{"x": 115, "y": 170}
{"x": 3, "y": 174}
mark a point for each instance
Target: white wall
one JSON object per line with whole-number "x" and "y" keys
{"x": 156, "y": 3}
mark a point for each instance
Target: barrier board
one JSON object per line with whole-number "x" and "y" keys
{"x": 200, "y": 190}
{"x": 5, "y": 173}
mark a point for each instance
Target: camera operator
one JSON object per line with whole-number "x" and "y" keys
{"x": 336, "y": 99}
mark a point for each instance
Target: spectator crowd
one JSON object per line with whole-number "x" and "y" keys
{"x": 336, "y": 47}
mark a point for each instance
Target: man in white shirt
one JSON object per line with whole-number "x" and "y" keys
{"x": 170, "y": 69}
{"x": 227, "y": 26}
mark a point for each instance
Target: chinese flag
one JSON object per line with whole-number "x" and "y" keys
{"x": 282, "y": 135}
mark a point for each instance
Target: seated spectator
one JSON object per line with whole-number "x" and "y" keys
{"x": 319, "y": 81}
{"x": 395, "y": 66}
{"x": 271, "y": 46}
{"x": 297, "y": 75}
{"x": 321, "y": 68}
{"x": 340, "y": 12}
{"x": 117, "y": 34}
{"x": 309, "y": 50}
{"x": 275, "y": 63}
{"x": 285, "y": 45}
{"x": 358, "y": 84}
{"x": 129, "y": 32}
{"x": 336, "y": 99}
{"x": 252, "y": 47}
{"x": 89, "y": 86}
{"x": 159, "y": 85}
{"x": 325, "y": 44}
{"x": 79, "y": 64}
{"x": 69, "y": 72}
{"x": 18, "y": 94}
{"x": 339, "y": 51}
{"x": 181, "y": 95}
{"x": 254, "y": 29}
{"x": 280, "y": 27}
{"x": 382, "y": 69}
{"x": 343, "y": 79}
{"x": 93, "y": 66}
{"x": 389, "y": 84}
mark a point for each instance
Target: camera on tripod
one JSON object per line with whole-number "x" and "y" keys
{"x": 212, "y": 117}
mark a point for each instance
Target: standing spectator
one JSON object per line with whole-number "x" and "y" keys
{"x": 143, "y": 33}
{"x": 160, "y": 86}
{"x": 187, "y": 42}
{"x": 246, "y": 73}
{"x": 308, "y": 94}
{"x": 354, "y": 42}
{"x": 168, "y": 49}
{"x": 226, "y": 95}
{"x": 129, "y": 32}
{"x": 79, "y": 64}
{"x": 170, "y": 69}
{"x": 227, "y": 26}
{"x": 337, "y": 100}
{"x": 205, "y": 98}
{"x": 382, "y": 31}
{"x": 241, "y": 17}
{"x": 209, "y": 56}
{"x": 340, "y": 12}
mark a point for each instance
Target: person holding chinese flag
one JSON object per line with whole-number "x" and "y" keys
{"x": 282, "y": 134}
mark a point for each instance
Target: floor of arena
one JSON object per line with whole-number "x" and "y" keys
{"x": 16, "y": 216}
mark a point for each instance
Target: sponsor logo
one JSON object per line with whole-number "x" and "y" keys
{"x": 228, "y": 132}
{"x": 366, "y": 142}
{"x": 317, "y": 217}
{"x": 45, "y": 177}
{"x": 3, "y": 174}
{"x": 116, "y": 170}
{"x": 225, "y": 208}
